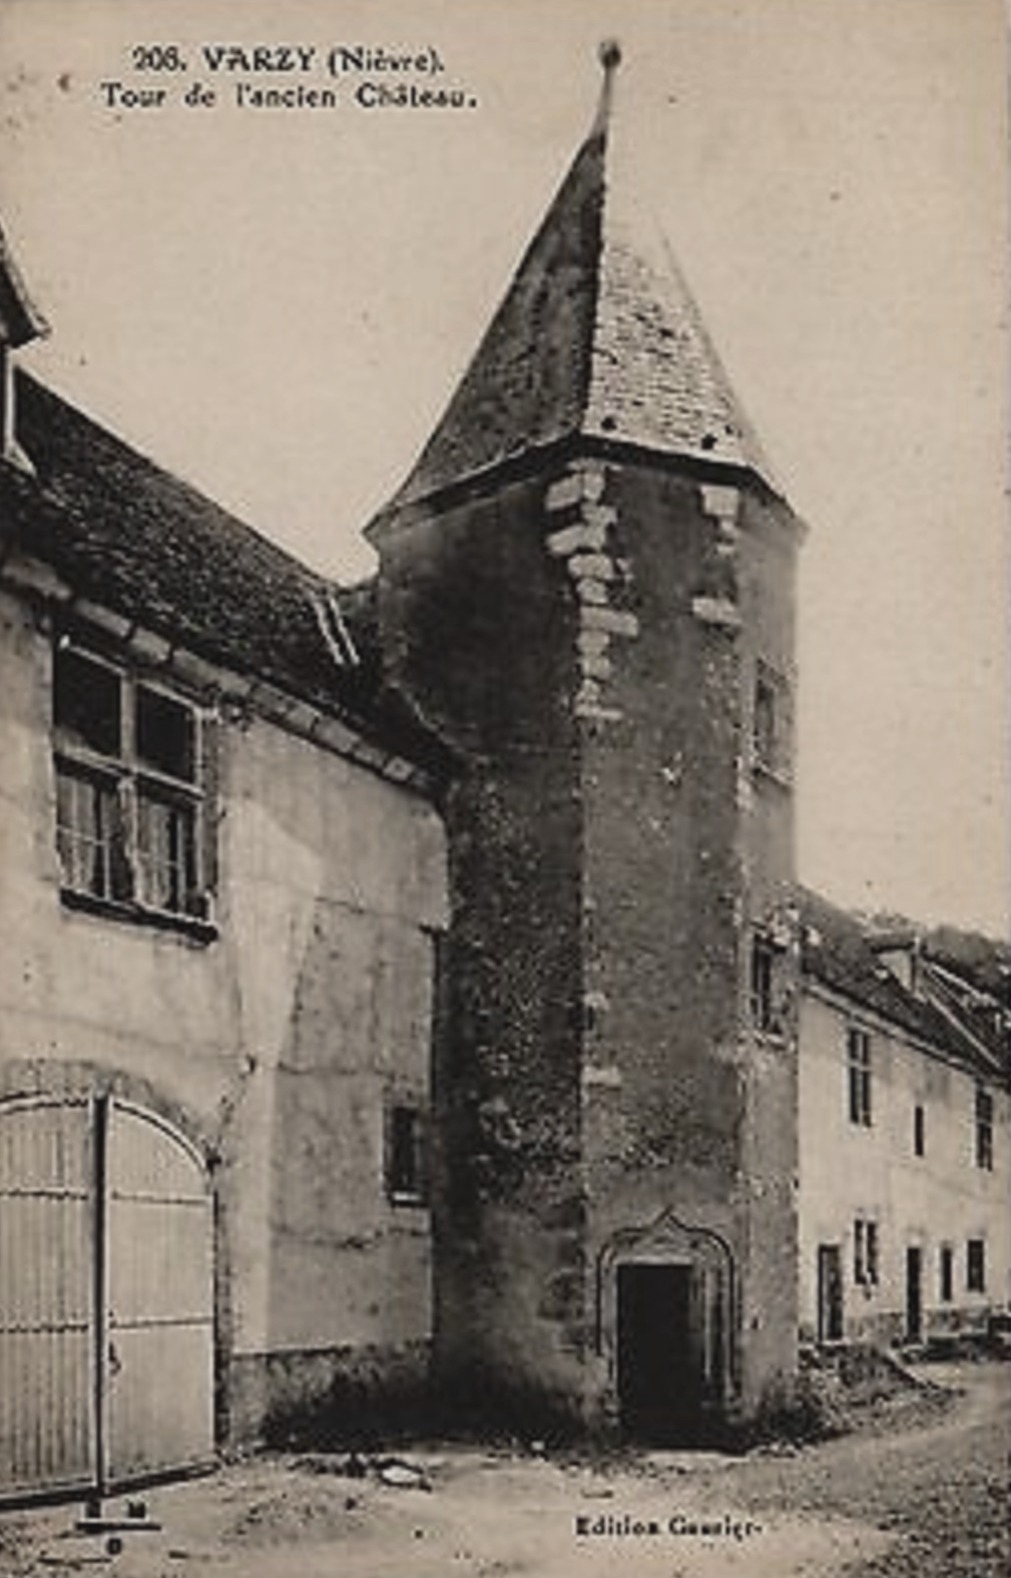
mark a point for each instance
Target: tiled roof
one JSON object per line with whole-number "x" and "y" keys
{"x": 837, "y": 951}
{"x": 128, "y": 535}
{"x": 598, "y": 335}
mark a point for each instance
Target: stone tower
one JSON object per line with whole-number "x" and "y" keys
{"x": 586, "y": 588}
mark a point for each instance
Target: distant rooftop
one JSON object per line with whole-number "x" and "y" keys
{"x": 964, "y": 1006}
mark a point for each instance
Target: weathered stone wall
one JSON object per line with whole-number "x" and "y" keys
{"x": 479, "y": 632}
{"x": 589, "y": 642}
{"x": 767, "y": 545}
{"x": 686, "y": 1110}
{"x": 279, "y": 1044}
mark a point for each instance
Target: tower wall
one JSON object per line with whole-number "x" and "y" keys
{"x": 591, "y": 643}
{"x": 689, "y": 1110}
{"x": 478, "y": 632}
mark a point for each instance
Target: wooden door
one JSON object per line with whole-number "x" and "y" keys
{"x": 158, "y": 1336}
{"x": 47, "y": 1296}
{"x": 106, "y": 1297}
{"x": 830, "y": 1293}
{"x": 914, "y": 1293}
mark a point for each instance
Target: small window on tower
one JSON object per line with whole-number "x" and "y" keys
{"x": 766, "y": 986}
{"x": 772, "y": 727}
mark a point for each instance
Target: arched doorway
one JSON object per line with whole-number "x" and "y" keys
{"x": 106, "y": 1296}
{"x": 666, "y": 1319}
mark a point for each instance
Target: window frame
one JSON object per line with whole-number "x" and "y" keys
{"x": 866, "y": 1252}
{"x": 767, "y": 1003}
{"x": 181, "y": 896}
{"x": 984, "y": 1124}
{"x": 919, "y": 1130}
{"x": 946, "y": 1274}
{"x": 975, "y": 1265}
{"x": 406, "y": 1185}
{"x": 772, "y": 722}
{"x": 859, "y": 1076}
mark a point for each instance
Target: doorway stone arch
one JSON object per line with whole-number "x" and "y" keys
{"x": 666, "y": 1316}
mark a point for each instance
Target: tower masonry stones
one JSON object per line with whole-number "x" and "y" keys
{"x": 586, "y": 588}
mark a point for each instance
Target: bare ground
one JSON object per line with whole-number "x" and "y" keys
{"x": 920, "y": 1488}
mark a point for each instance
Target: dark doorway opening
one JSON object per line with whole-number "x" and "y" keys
{"x": 830, "y": 1293}
{"x": 914, "y": 1294}
{"x": 659, "y": 1371}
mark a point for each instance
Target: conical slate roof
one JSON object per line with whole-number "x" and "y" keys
{"x": 20, "y": 320}
{"x": 598, "y": 335}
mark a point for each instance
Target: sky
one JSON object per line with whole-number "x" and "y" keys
{"x": 277, "y": 303}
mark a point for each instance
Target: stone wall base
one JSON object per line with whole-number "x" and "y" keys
{"x": 327, "y": 1396}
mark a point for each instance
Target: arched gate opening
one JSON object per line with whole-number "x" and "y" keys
{"x": 106, "y": 1296}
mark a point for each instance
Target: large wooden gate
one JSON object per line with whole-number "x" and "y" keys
{"x": 106, "y": 1297}
{"x": 47, "y": 1296}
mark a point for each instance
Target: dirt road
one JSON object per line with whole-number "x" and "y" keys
{"x": 921, "y": 1490}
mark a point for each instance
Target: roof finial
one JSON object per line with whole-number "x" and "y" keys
{"x": 609, "y": 55}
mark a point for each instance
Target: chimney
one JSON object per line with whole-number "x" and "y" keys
{"x": 901, "y": 955}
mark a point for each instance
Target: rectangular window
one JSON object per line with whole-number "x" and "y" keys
{"x": 858, "y": 1050}
{"x": 165, "y": 734}
{"x": 766, "y": 985}
{"x": 947, "y": 1269}
{"x": 975, "y": 1266}
{"x": 87, "y": 705}
{"x": 405, "y": 1155}
{"x": 919, "y": 1132}
{"x": 984, "y": 1129}
{"x": 771, "y": 723}
{"x": 90, "y": 835}
{"x": 128, "y": 796}
{"x": 761, "y": 983}
{"x": 865, "y": 1252}
{"x": 165, "y": 864}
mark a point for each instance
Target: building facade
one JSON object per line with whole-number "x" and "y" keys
{"x": 223, "y": 891}
{"x": 905, "y": 1164}
{"x": 408, "y": 998}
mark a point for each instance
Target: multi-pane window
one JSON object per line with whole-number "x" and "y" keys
{"x": 405, "y": 1154}
{"x": 919, "y": 1132}
{"x": 975, "y": 1266}
{"x": 865, "y": 1252}
{"x": 858, "y": 1055}
{"x": 947, "y": 1273}
{"x": 984, "y": 1129}
{"x": 771, "y": 722}
{"x": 128, "y": 795}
